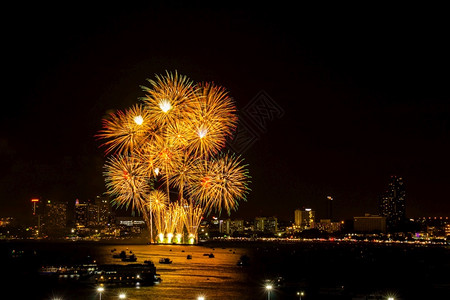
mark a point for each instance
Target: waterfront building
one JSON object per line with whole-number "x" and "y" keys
{"x": 328, "y": 226}
{"x": 230, "y": 226}
{"x": 370, "y": 223}
{"x": 54, "y": 223}
{"x": 36, "y": 219}
{"x": 266, "y": 224}
{"x": 105, "y": 214}
{"x": 81, "y": 214}
{"x": 130, "y": 226}
{"x": 304, "y": 219}
{"x": 392, "y": 204}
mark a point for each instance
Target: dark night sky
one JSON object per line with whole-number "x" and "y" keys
{"x": 365, "y": 94}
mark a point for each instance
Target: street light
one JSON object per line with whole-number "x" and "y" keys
{"x": 100, "y": 290}
{"x": 269, "y": 289}
{"x": 390, "y": 298}
{"x": 122, "y": 296}
{"x": 300, "y": 294}
{"x": 201, "y": 298}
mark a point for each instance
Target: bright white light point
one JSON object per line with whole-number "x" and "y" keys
{"x": 156, "y": 171}
{"x": 138, "y": 120}
{"x": 269, "y": 287}
{"x": 122, "y": 296}
{"x": 201, "y": 298}
{"x": 164, "y": 104}
{"x": 202, "y": 132}
{"x": 100, "y": 289}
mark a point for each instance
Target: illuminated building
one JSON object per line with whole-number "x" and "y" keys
{"x": 81, "y": 214}
{"x": 129, "y": 226}
{"x": 37, "y": 210}
{"x": 328, "y": 226}
{"x": 104, "y": 210}
{"x": 392, "y": 204}
{"x": 230, "y": 226}
{"x": 370, "y": 223}
{"x": 304, "y": 219}
{"x": 90, "y": 215}
{"x": 266, "y": 224}
{"x": 54, "y": 218}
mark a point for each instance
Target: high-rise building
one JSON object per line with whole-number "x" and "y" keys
{"x": 370, "y": 223}
{"x": 104, "y": 210}
{"x": 230, "y": 226}
{"x": 304, "y": 219}
{"x": 266, "y": 224}
{"x": 55, "y": 218}
{"x": 392, "y": 204}
{"x": 93, "y": 214}
{"x": 81, "y": 214}
{"x": 37, "y": 213}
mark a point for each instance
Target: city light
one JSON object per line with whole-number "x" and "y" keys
{"x": 269, "y": 288}
{"x": 100, "y": 290}
{"x": 122, "y": 296}
{"x": 201, "y": 298}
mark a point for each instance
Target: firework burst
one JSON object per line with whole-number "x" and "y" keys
{"x": 126, "y": 131}
{"x": 127, "y": 182}
{"x": 173, "y": 141}
{"x": 220, "y": 183}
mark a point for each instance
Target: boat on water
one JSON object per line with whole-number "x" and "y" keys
{"x": 130, "y": 274}
{"x": 210, "y": 255}
{"x": 108, "y": 274}
{"x": 130, "y": 258}
{"x": 189, "y": 256}
{"x": 122, "y": 254}
{"x": 165, "y": 260}
{"x": 243, "y": 261}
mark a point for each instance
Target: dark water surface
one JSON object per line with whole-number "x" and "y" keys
{"x": 321, "y": 270}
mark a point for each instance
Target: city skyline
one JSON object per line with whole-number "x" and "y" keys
{"x": 342, "y": 106}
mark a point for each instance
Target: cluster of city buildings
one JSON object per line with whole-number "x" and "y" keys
{"x": 98, "y": 220}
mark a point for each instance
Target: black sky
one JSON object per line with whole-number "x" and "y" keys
{"x": 364, "y": 92}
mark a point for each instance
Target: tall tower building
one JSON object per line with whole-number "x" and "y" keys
{"x": 392, "y": 203}
{"x": 81, "y": 214}
{"x": 55, "y": 218}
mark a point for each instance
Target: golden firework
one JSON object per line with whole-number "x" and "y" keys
{"x": 126, "y": 131}
{"x": 172, "y": 141}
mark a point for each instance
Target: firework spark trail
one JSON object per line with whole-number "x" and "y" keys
{"x": 192, "y": 218}
{"x": 158, "y": 204}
